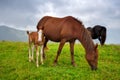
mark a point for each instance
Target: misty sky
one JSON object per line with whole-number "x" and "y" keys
{"x": 24, "y": 14}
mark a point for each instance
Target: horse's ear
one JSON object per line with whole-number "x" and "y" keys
{"x": 96, "y": 46}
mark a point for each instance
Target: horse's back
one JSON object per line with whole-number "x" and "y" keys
{"x": 50, "y": 18}
{"x": 56, "y": 28}
{"x": 99, "y": 28}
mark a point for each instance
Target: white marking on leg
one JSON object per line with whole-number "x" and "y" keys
{"x": 40, "y": 35}
{"x": 33, "y": 52}
{"x": 29, "y": 54}
{"x": 37, "y": 56}
{"x": 41, "y": 52}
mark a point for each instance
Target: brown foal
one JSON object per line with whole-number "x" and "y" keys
{"x": 35, "y": 39}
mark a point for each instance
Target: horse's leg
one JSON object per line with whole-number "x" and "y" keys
{"x": 99, "y": 38}
{"x": 72, "y": 53}
{"x": 29, "y": 52}
{"x": 37, "y": 55}
{"x": 103, "y": 36}
{"x": 59, "y": 50}
{"x": 45, "y": 43}
{"x": 33, "y": 52}
{"x": 41, "y": 52}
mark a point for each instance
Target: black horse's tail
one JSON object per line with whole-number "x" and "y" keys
{"x": 27, "y": 32}
{"x": 103, "y": 35}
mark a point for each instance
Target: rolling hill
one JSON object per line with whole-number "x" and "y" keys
{"x": 11, "y": 34}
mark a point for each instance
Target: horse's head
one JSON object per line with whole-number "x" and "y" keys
{"x": 92, "y": 58}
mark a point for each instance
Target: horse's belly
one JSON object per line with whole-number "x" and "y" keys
{"x": 55, "y": 39}
{"x": 53, "y": 36}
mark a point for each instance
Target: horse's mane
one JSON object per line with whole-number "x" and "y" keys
{"x": 86, "y": 39}
{"x": 79, "y": 21}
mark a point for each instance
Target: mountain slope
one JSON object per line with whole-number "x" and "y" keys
{"x": 10, "y": 34}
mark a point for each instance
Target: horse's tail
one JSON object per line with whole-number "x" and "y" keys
{"x": 103, "y": 36}
{"x": 27, "y": 32}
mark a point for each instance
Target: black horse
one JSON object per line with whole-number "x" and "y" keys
{"x": 98, "y": 32}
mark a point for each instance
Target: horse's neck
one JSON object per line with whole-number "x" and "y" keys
{"x": 86, "y": 40}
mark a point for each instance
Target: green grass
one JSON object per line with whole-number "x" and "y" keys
{"x": 14, "y": 64}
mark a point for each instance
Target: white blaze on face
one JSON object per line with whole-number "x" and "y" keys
{"x": 40, "y": 35}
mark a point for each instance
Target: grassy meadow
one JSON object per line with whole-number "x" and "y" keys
{"x": 14, "y": 64}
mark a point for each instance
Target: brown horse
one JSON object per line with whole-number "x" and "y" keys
{"x": 68, "y": 29}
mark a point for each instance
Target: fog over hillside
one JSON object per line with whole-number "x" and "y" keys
{"x": 11, "y": 34}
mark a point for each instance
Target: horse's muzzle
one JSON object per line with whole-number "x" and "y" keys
{"x": 93, "y": 68}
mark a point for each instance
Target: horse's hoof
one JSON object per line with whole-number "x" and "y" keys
{"x": 74, "y": 65}
{"x": 55, "y": 63}
{"x": 46, "y": 48}
{"x": 29, "y": 60}
{"x": 37, "y": 66}
{"x": 44, "y": 57}
{"x": 33, "y": 60}
{"x": 94, "y": 68}
{"x": 42, "y": 63}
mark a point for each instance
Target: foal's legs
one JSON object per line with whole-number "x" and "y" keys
{"x": 59, "y": 50}
{"x": 37, "y": 55}
{"x": 29, "y": 53}
{"x": 33, "y": 52}
{"x": 41, "y": 52}
{"x": 72, "y": 53}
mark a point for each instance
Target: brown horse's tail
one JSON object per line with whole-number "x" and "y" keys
{"x": 27, "y": 32}
{"x": 103, "y": 36}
